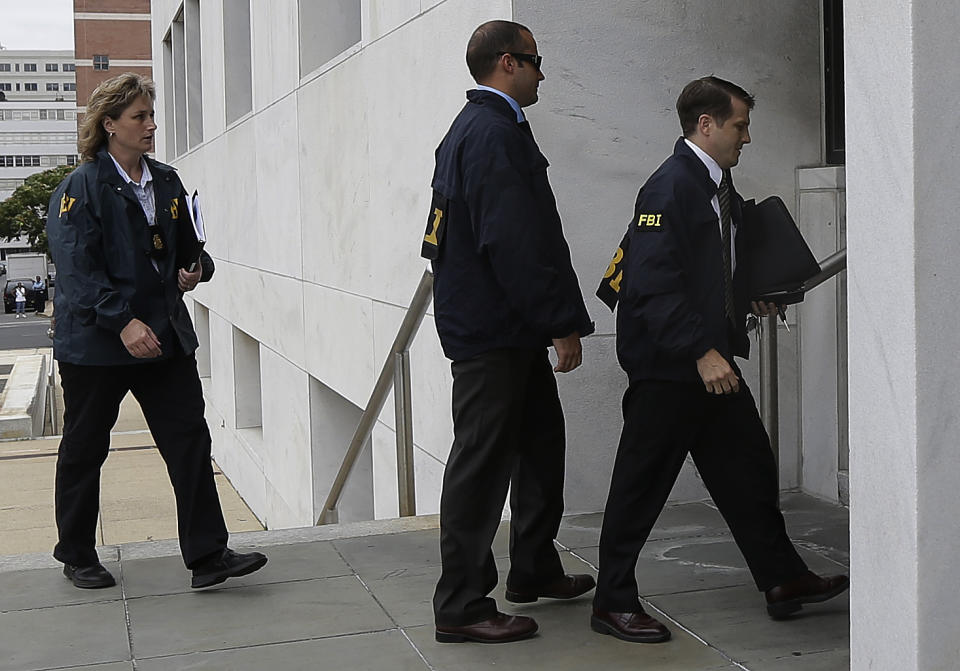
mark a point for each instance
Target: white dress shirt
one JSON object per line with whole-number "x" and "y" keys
{"x": 716, "y": 174}
{"x": 144, "y": 192}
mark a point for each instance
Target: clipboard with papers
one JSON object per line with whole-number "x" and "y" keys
{"x": 191, "y": 242}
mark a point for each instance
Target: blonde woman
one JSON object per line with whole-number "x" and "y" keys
{"x": 121, "y": 240}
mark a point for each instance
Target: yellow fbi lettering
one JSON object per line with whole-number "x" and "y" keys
{"x": 175, "y": 208}
{"x": 66, "y": 203}
{"x": 431, "y": 237}
{"x": 649, "y": 220}
{"x": 612, "y": 268}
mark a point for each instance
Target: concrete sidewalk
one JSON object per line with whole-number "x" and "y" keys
{"x": 358, "y": 597}
{"x": 136, "y": 499}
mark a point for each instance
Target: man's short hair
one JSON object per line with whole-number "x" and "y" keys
{"x": 708, "y": 95}
{"x": 488, "y": 40}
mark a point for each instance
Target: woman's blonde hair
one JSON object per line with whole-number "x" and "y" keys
{"x": 110, "y": 99}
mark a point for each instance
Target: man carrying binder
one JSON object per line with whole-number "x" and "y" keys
{"x": 680, "y": 322}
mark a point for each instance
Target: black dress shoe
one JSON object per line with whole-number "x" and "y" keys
{"x": 94, "y": 576}
{"x": 500, "y": 628}
{"x": 789, "y": 597}
{"x": 564, "y": 587}
{"x": 634, "y": 627}
{"x": 228, "y": 564}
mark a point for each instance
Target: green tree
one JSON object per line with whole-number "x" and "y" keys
{"x": 25, "y": 211}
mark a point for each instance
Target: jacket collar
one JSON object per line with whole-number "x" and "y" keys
{"x": 493, "y": 101}
{"x": 696, "y": 166}
{"x": 107, "y": 171}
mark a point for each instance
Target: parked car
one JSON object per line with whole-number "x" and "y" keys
{"x": 9, "y": 302}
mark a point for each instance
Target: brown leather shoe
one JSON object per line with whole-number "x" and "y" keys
{"x": 564, "y": 587}
{"x": 634, "y": 627}
{"x": 500, "y": 628}
{"x": 789, "y": 597}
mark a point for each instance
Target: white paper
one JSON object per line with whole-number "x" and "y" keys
{"x": 196, "y": 217}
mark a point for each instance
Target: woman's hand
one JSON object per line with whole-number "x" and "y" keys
{"x": 187, "y": 281}
{"x": 140, "y": 340}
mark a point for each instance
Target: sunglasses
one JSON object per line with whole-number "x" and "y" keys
{"x": 529, "y": 58}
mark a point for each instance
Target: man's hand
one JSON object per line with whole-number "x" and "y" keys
{"x": 762, "y": 309}
{"x": 140, "y": 340}
{"x": 188, "y": 281}
{"x": 717, "y": 375}
{"x": 569, "y": 353}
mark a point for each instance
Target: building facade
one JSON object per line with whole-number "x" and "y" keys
{"x": 311, "y": 118}
{"x": 38, "y": 118}
{"x": 37, "y": 76}
{"x": 110, "y": 37}
{"x": 309, "y": 128}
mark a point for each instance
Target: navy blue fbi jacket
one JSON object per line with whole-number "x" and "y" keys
{"x": 671, "y": 308}
{"x": 502, "y": 271}
{"x": 101, "y": 245}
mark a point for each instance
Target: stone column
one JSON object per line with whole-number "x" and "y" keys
{"x": 904, "y": 331}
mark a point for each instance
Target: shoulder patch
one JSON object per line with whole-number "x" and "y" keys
{"x": 650, "y": 222}
{"x": 436, "y": 226}
{"x": 609, "y": 289}
{"x": 66, "y": 203}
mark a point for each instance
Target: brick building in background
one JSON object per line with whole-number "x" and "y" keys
{"x": 110, "y": 37}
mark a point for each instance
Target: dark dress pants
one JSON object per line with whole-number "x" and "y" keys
{"x": 508, "y": 432}
{"x": 171, "y": 398}
{"x": 663, "y": 421}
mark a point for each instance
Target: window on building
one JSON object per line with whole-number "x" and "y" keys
{"x": 29, "y": 67}
{"x": 69, "y": 67}
{"x": 175, "y": 78}
{"x": 238, "y": 89}
{"x": 194, "y": 69}
{"x": 246, "y": 373}
{"x": 834, "y": 132}
{"x": 4, "y": 86}
{"x": 52, "y": 67}
{"x": 53, "y": 86}
{"x": 6, "y": 161}
{"x": 101, "y": 62}
{"x": 4, "y": 67}
{"x": 60, "y": 115}
{"x": 43, "y": 114}
{"x": 69, "y": 86}
{"x": 72, "y": 159}
{"x": 201, "y": 323}
{"x": 326, "y": 30}
{"x": 29, "y": 87}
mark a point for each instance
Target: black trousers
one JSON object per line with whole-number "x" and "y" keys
{"x": 508, "y": 431}
{"x": 171, "y": 397}
{"x": 663, "y": 421}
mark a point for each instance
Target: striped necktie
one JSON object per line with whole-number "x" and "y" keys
{"x": 723, "y": 196}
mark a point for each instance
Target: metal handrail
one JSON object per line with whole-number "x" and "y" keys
{"x": 769, "y": 366}
{"x": 395, "y": 370}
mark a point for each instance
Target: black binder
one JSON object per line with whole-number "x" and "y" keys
{"x": 777, "y": 258}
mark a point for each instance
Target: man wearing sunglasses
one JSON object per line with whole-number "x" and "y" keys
{"x": 504, "y": 292}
